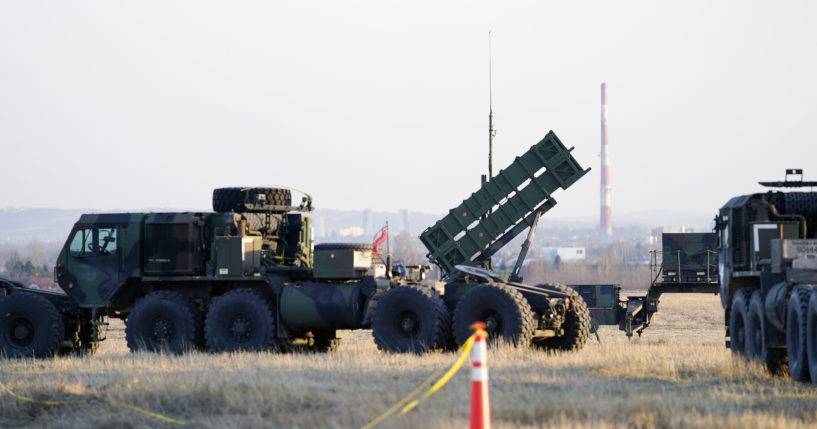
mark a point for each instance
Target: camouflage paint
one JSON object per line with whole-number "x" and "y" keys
{"x": 696, "y": 252}
{"x": 164, "y": 248}
{"x": 322, "y": 305}
{"x": 603, "y": 302}
{"x": 90, "y": 276}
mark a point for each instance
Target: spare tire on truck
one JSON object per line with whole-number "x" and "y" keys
{"x": 250, "y": 199}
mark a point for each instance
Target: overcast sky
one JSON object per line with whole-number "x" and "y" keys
{"x": 384, "y": 104}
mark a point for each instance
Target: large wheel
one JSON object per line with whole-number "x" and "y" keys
{"x": 737, "y": 321}
{"x": 250, "y": 199}
{"x": 505, "y": 312}
{"x": 576, "y": 325}
{"x": 30, "y": 326}
{"x": 774, "y": 359}
{"x": 163, "y": 321}
{"x": 796, "y": 330}
{"x": 811, "y": 334}
{"x": 755, "y": 335}
{"x": 410, "y": 319}
{"x": 241, "y": 319}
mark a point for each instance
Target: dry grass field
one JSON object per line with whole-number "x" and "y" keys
{"x": 677, "y": 375}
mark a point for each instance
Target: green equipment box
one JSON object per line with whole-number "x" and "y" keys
{"x": 341, "y": 261}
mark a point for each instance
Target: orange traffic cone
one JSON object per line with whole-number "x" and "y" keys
{"x": 480, "y": 403}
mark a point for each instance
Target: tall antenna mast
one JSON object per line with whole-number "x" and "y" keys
{"x": 491, "y": 130}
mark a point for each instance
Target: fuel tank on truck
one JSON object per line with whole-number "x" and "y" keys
{"x": 322, "y": 305}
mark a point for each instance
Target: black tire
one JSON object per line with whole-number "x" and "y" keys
{"x": 796, "y": 330}
{"x": 811, "y": 334}
{"x": 247, "y": 199}
{"x": 410, "y": 319}
{"x": 163, "y": 321}
{"x": 576, "y": 325}
{"x": 505, "y": 312}
{"x": 737, "y": 321}
{"x": 323, "y": 341}
{"x": 802, "y": 203}
{"x": 755, "y": 334}
{"x": 241, "y": 319}
{"x": 30, "y": 326}
{"x": 774, "y": 359}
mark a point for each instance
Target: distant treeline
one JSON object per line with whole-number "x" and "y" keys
{"x": 19, "y": 268}
{"x": 29, "y": 264}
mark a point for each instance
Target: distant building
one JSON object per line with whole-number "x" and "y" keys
{"x": 352, "y": 231}
{"x": 37, "y": 282}
{"x": 565, "y": 254}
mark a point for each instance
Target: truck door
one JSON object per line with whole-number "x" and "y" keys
{"x": 90, "y": 271}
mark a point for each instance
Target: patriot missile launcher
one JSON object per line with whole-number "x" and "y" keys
{"x": 247, "y": 276}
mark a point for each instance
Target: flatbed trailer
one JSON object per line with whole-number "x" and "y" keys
{"x": 687, "y": 263}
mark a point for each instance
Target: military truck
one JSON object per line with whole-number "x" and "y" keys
{"x": 767, "y": 252}
{"x": 248, "y": 277}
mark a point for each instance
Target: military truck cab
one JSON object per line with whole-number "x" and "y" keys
{"x": 767, "y": 250}
{"x": 102, "y": 252}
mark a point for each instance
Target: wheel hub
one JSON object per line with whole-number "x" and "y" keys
{"x": 492, "y": 323}
{"x": 241, "y": 327}
{"x": 408, "y": 324}
{"x": 162, "y": 330}
{"x": 22, "y": 332}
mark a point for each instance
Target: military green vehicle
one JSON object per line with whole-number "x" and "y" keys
{"x": 767, "y": 244}
{"x": 687, "y": 263}
{"x": 247, "y": 277}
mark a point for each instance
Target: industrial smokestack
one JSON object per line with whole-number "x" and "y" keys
{"x": 606, "y": 224}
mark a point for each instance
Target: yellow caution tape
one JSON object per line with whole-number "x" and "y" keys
{"x": 466, "y": 349}
{"x": 111, "y": 401}
{"x": 148, "y": 413}
{"x": 405, "y": 399}
{"x": 463, "y": 352}
{"x": 32, "y": 400}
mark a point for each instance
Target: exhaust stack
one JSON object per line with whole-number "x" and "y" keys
{"x": 606, "y": 220}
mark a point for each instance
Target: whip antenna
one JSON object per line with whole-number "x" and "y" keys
{"x": 491, "y": 131}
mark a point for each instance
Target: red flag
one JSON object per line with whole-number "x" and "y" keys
{"x": 384, "y": 233}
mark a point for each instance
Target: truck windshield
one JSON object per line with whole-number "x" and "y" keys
{"x": 107, "y": 241}
{"x": 93, "y": 241}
